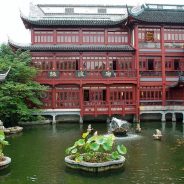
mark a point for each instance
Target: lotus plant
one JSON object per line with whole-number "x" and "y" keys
{"x": 2, "y": 144}
{"x": 96, "y": 148}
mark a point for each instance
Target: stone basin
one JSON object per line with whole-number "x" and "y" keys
{"x": 95, "y": 167}
{"x": 5, "y": 163}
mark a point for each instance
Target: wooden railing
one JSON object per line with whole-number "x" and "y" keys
{"x": 150, "y": 102}
{"x": 174, "y": 102}
{"x": 150, "y": 73}
{"x": 108, "y": 109}
{"x": 94, "y": 74}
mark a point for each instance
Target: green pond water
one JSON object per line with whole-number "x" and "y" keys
{"x": 38, "y": 156}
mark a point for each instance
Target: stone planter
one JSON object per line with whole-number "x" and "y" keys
{"x": 95, "y": 167}
{"x": 5, "y": 163}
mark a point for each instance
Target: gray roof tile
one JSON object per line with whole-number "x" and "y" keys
{"x": 98, "y": 20}
{"x": 160, "y": 16}
{"x": 73, "y": 48}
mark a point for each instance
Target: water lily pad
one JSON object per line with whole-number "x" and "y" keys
{"x": 74, "y": 151}
{"x": 100, "y": 140}
{"x": 115, "y": 155}
{"x": 94, "y": 146}
{"x": 122, "y": 149}
{"x": 80, "y": 142}
{"x": 106, "y": 146}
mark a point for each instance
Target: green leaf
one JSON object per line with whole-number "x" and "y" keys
{"x": 19, "y": 93}
{"x": 92, "y": 139}
{"x": 115, "y": 155}
{"x": 79, "y": 158}
{"x": 74, "y": 151}
{"x": 106, "y": 146}
{"x": 2, "y": 136}
{"x": 84, "y": 135}
{"x": 100, "y": 140}
{"x": 94, "y": 146}
{"x": 122, "y": 149}
{"x": 4, "y": 143}
{"x": 80, "y": 142}
{"x": 68, "y": 150}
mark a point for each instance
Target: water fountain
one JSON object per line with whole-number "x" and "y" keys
{"x": 121, "y": 129}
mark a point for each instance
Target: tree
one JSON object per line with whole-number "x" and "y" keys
{"x": 19, "y": 93}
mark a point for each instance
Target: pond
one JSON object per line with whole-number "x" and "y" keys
{"x": 38, "y": 156}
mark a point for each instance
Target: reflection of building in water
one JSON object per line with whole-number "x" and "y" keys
{"x": 173, "y": 126}
{"x": 163, "y": 126}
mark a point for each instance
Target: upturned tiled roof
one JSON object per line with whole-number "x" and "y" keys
{"x": 159, "y": 16}
{"x": 98, "y": 21}
{"x": 72, "y": 48}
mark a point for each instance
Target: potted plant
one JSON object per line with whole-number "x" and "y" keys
{"x": 95, "y": 153}
{"x": 4, "y": 160}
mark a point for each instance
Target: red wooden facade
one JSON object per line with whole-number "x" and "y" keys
{"x": 111, "y": 68}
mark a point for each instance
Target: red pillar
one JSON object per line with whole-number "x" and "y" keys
{"x": 53, "y": 97}
{"x": 108, "y": 100}
{"x": 80, "y": 37}
{"x": 81, "y": 101}
{"x": 32, "y": 36}
{"x": 80, "y": 61}
{"x": 55, "y": 37}
{"x": 136, "y": 45}
{"x": 106, "y": 37}
{"x": 163, "y": 67}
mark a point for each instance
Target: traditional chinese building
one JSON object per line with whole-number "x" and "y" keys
{"x": 108, "y": 60}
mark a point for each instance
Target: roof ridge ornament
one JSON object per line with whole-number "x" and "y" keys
{"x": 136, "y": 10}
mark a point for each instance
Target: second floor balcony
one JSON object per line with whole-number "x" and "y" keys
{"x": 85, "y": 74}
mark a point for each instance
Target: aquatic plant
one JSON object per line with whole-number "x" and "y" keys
{"x": 2, "y": 144}
{"x": 96, "y": 148}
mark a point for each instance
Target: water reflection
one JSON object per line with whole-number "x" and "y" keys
{"x": 54, "y": 128}
{"x": 38, "y": 156}
{"x": 163, "y": 126}
{"x": 173, "y": 126}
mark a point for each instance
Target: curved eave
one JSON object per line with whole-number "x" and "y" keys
{"x": 158, "y": 17}
{"x": 4, "y": 75}
{"x": 141, "y": 21}
{"x": 61, "y": 22}
{"x": 179, "y": 83}
{"x": 74, "y": 48}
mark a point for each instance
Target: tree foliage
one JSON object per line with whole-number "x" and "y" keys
{"x": 19, "y": 93}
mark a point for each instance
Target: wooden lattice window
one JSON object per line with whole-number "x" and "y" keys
{"x": 151, "y": 93}
{"x": 174, "y": 38}
{"x": 43, "y": 62}
{"x": 43, "y": 36}
{"x": 117, "y": 37}
{"x": 68, "y": 37}
{"x": 97, "y": 63}
{"x": 122, "y": 95}
{"x": 150, "y": 63}
{"x": 67, "y": 97}
{"x": 66, "y": 63}
{"x": 122, "y": 63}
{"x": 93, "y": 37}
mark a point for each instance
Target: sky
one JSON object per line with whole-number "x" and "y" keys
{"x": 13, "y": 28}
